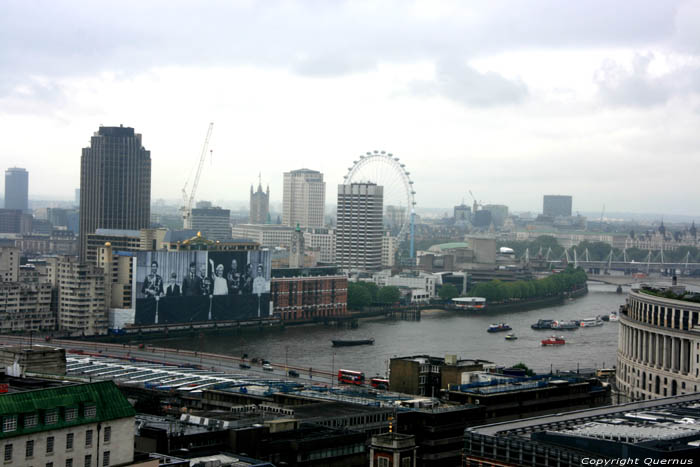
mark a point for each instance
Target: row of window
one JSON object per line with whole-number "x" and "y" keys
{"x": 11, "y": 422}
{"x": 50, "y": 443}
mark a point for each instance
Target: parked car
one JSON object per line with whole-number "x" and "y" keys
{"x": 265, "y": 362}
{"x": 293, "y": 373}
{"x": 245, "y": 366}
{"x": 268, "y": 367}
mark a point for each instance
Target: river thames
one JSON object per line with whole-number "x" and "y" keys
{"x": 437, "y": 334}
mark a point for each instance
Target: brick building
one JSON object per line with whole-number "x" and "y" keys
{"x": 308, "y": 294}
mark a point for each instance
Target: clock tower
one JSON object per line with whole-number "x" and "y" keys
{"x": 296, "y": 252}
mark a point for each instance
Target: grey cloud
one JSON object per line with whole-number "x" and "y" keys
{"x": 637, "y": 87}
{"x": 68, "y": 38}
{"x": 459, "y": 82}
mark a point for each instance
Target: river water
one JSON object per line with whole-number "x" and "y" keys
{"x": 437, "y": 334}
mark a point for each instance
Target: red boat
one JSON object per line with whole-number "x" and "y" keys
{"x": 554, "y": 340}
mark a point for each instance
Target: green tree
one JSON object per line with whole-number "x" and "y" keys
{"x": 528, "y": 371}
{"x": 388, "y": 294}
{"x": 448, "y": 292}
{"x": 371, "y": 288}
{"x": 358, "y": 296}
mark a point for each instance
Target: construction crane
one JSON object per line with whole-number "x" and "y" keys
{"x": 189, "y": 199}
{"x": 476, "y": 203}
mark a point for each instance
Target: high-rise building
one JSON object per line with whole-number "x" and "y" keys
{"x": 115, "y": 183}
{"x": 15, "y": 221}
{"x": 359, "y": 230}
{"x": 556, "y": 205}
{"x": 212, "y": 221}
{"x": 303, "y": 198}
{"x": 17, "y": 189}
{"x": 259, "y": 204}
{"x": 499, "y": 213}
{"x": 82, "y": 303}
{"x": 462, "y": 213}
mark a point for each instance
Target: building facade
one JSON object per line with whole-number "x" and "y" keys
{"x": 82, "y": 305}
{"x": 115, "y": 183}
{"x": 267, "y": 235}
{"x": 359, "y": 226}
{"x": 26, "y": 302}
{"x": 214, "y": 222}
{"x": 556, "y": 205}
{"x": 17, "y": 189}
{"x": 9, "y": 264}
{"x": 15, "y": 221}
{"x": 259, "y": 205}
{"x": 305, "y": 298}
{"x": 303, "y": 198}
{"x": 76, "y": 425}
{"x": 658, "y": 346}
{"x": 390, "y": 245}
{"x": 322, "y": 239}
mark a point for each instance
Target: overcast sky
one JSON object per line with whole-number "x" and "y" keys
{"x": 509, "y": 99}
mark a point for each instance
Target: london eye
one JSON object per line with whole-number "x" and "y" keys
{"x": 388, "y": 171}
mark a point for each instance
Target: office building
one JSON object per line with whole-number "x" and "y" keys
{"x": 9, "y": 264}
{"x": 71, "y": 425}
{"x": 323, "y": 240}
{"x": 499, "y": 213}
{"x": 26, "y": 302}
{"x": 82, "y": 305}
{"x": 394, "y": 218}
{"x": 15, "y": 221}
{"x": 115, "y": 183}
{"x": 309, "y": 294}
{"x": 658, "y": 349}
{"x": 17, "y": 189}
{"x": 359, "y": 226}
{"x": 556, "y": 206}
{"x": 462, "y": 213}
{"x": 303, "y": 198}
{"x": 213, "y": 222}
{"x": 259, "y": 205}
{"x": 658, "y": 432}
{"x": 390, "y": 245}
{"x": 267, "y": 235}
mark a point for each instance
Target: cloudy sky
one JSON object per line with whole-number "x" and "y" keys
{"x": 510, "y": 99}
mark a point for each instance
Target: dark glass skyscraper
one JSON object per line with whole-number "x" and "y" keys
{"x": 115, "y": 183}
{"x": 17, "y": 189}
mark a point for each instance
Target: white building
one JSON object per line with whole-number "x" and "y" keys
{"x": 324, "y": 240}
{"x": 267, "y": 235}
{"x": 359, "y": 226}
{"x": 73, "y": 425}
{"x": 390, "y": 246}
{"x": 303, "y": 198}
{"x": 414, "y": 280}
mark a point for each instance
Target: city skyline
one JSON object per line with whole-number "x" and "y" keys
{"x": 509, "y": 101}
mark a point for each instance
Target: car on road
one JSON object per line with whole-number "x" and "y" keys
{"x": 245, "y": 366}
{"x": 268, "y": 367}
{"x": 293, "y": 373}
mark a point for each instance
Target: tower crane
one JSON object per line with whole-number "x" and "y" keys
{"x": 189, "y": 199}
{"x": 476, "y": 203}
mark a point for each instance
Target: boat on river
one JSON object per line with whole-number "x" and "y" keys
{"x": 591, "y": 322}
{"x": 554, "y": 340}
{"x": 571, "y": 325}
{"x": 511, "y": 337}
{"x": 499, "y": 327}
{"x": 351, "y": 342}
{"x": 543, "y": 324}
{"x": 614, "y": 316}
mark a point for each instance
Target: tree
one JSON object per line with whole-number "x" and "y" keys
{"x": 358, "y": 296}
{"x": 388, "y": 294}
{"x": 448, "y": 292}
{"x": 371, "y": 288}
{"x": 528, "y": 371}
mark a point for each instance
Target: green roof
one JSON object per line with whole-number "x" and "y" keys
{"x": 450, "y": 246}
{"x": 109, "y": 402}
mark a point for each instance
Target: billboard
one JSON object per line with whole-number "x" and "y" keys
{"x": 189, "y": 286}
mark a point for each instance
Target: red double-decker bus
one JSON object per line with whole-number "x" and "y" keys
{"x": 351, "y": 377}
{"x": 379, "y": 383}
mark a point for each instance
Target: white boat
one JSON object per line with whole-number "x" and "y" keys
{"x": 591, "y": 322}
{"x": 614, "y": 316}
